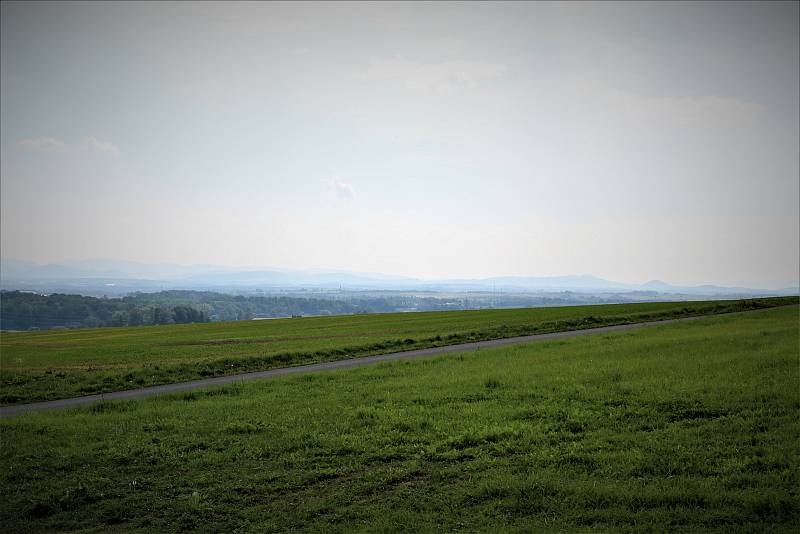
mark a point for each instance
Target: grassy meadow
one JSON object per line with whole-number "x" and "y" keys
{"x": 54, "y": 364}
{"x": 680, "y": 427}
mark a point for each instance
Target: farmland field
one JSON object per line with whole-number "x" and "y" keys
{"x": 685, "y": 426}
{"x": 58, "y": 364}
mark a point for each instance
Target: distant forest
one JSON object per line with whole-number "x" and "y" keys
{"x": 24, "y": 310}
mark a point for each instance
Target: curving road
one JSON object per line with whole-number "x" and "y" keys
{"x": 10, "y": 411}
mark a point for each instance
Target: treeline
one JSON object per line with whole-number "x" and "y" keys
{"x": 20, "y": 310}
{"x": 223, "y": 307}
{"x": 24, "y": 311}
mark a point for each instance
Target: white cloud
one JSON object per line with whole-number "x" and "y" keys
{"x": 437, "y": 78}
{"x": 337, "y": 188}
{"x": 43, "y": 144}
{"x": 92, "y": 144}
{"x": 89, "y": 144}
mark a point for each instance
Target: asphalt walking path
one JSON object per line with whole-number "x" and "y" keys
{"x": 11, "y": 411}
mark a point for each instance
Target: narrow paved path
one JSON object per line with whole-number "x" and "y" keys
{"x": 10, "y": 411}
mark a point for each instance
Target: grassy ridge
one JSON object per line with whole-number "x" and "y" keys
{"x": 59, "y": 364}
{"x": 686, "y": 426}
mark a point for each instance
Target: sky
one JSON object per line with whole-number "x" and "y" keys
{"x": 630, "y": 141}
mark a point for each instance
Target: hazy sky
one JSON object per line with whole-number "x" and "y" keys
{"x": 628, "y": 141}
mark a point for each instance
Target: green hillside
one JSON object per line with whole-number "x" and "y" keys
{"x": 67, "y": 363}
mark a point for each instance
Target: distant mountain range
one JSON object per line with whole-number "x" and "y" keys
{"x": 120, "y": 277}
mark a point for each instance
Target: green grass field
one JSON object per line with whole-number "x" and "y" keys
{"x": 58, "y": 364}
{"x": 681, "y": 427}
